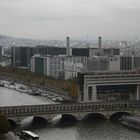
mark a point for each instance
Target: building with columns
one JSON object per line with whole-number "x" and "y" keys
{"x": 101, "y": 86}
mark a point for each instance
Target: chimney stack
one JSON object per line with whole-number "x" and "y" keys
{"x": 68, "y": 41}
{"x": 99, "y": 42}
{"x": 68, "y": 46}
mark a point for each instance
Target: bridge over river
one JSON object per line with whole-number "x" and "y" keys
{"x": 78, "y": 111}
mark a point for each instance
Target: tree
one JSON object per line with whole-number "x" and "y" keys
{"x": 74, "y": 89}
{"x": 4, "y": 124}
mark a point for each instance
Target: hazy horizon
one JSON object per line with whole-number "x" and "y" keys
{"x": 79, "y": 19}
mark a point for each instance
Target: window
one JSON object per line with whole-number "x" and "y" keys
{"x": 89, "y": 93}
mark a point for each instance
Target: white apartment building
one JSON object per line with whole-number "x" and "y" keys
{"x": 71, "y": 69}
{"x": 47, "y": 65}
{"x": 73, "y": 65}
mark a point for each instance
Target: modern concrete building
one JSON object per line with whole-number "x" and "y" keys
{"x": 15, "y": 57}
{"x": 136, "y": 62}
{"x": 103, "y": 63}
{"x": 81, "y": 52}
{"x": 96, "y": 86}
{"x": 47, "y": 65}
{"x": 38, "y": 65}
{"x": 73, "y": 65}
{"x": 20, "y": 56}
{"x": 50, "y": 50}
{"x": 77, "y": 59}
{"x": 129, "y": 62}
{"x": 110, "y": 52}
{"x": 71, "y": 69}
{"x": 85, "y": 52}
{"x": 97, "y": 63}
{"x": 126, "y": 63}
{"x": 94, "y": 52}
{"x": 114, "y": 63}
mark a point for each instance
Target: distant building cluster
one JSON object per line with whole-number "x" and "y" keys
{"x": 102, "y": 72}
{"x": 67, "y": 62}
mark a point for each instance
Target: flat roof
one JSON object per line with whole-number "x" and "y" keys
{"x": 108, "y": 72}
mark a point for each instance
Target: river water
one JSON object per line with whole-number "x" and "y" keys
{"x": 86, "y": 130}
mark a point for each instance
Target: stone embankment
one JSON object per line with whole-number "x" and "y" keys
{"x": 46, "y": 91}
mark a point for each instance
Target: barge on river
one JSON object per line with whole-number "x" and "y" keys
{"x": 131, "y": 122}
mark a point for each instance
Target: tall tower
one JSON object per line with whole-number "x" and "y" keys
{"x": 68, "y": 53}
{"x": 99, "y": 42}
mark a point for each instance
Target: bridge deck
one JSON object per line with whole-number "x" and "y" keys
{"x": 67, "y": 108}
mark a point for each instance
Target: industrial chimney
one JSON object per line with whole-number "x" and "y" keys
{"x": 68, "y": 46}
{"x": 99, "y": 42}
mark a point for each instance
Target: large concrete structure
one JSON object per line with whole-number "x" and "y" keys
{"x": 73, "y": 65}
{"x": 21, "y": 56}
{"x": 97, "y": 63}
{"x": 68, "y": 49}
{"x": 47, "y": 65}
{"x": 77, "y": 59}
{"x": 111, "y": 52}
{"x": 114, "y": 63}
{"x": 103, "y": 63}
{"x": 126, "y": 63}
{"x": 129, "y": 62}
{"x": 50, "y": 50}
{"x": 78, "y": 111}
{"x": 136, "y": 62}
{"x": 71, "y": 69}
{"x": 90, "y": 85}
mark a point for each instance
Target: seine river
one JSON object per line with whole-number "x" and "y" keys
{"x": 86, "y": 130}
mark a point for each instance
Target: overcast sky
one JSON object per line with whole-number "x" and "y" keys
{"x": 56, "y": 19}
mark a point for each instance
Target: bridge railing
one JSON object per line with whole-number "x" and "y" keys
{"x": 66, "y": 108}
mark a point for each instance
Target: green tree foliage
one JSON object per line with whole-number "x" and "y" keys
{"x": 4, "y": 124}
{"x": 30, "y": 78}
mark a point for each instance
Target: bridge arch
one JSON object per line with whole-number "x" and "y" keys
{"x": 115, "y": 116}
{"x": 13, "y": 123}
{"x": 33, "y": 120}
{"x": 94, "y": 116}
{"x": 40, "y": 119}
{"x": 69, "y": 117}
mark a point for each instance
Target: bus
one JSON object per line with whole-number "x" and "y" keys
{"x": 28, "y": 135}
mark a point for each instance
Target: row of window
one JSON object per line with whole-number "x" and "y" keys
{"x": 115, "y": 76}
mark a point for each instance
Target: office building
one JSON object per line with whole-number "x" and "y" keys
{"x": 97, "y": 63}
{"x": 48, "y": 65}
{"x": 71, "y": 69}
{"x": 111, "y": 52}
{"x": 126, "y": 63}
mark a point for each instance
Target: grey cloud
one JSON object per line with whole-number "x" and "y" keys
{"x": 57, "y": 18}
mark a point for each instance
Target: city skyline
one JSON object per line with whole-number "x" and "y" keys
{"x": 80, "y": 19}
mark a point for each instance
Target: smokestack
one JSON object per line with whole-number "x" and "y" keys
{"x": 68, "y": 46}
{"x": 68, "y": 41}
{"x": 99, "y": 42}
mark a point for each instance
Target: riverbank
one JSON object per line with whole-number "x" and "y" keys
{"x": 30, "y": 79}
{"x": 27, "y": 77}
{"x": 35, "y": 90}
